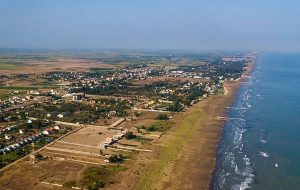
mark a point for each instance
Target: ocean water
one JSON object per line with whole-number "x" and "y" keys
{"x": 261, "y": 148}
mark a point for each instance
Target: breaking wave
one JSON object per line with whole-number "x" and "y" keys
{"x": 263, "y": 154}
{"x": 236, "y": 169}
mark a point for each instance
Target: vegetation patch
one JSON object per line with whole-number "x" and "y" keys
{"x": 98, "y": 177}
{"x": 18, "y": 87}
{"x": 143, "y": 140}
{"x": 69, "y": 184}
{"x": 5, "y": 66}
{"x": 160, "y": 126}
{"x": 116, "y": 158}
{"x": 162, "y": 117}
{"x": 129, "y": 135}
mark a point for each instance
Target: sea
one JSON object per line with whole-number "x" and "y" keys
{"x": 260, "y": 145}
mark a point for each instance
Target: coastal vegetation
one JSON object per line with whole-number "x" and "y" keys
{"x": 97, "y": 177}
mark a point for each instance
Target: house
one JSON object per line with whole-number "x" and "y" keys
{"x": 112, "y": 113}
{"x": 78, "y": 96}
{"x": 117, "y": 137}
{"x": 7, "y": 137}
{"x": 53, "y": 113}
{"x": 33, "y": 92}
{"x": 47, "y": 132}
{"x": 108, "y": 141}
{"x": 29, "y": 97}
{"x": 52, "y": 92}
{"x": 62, "y": 115}
{"x": 92, "y": 101}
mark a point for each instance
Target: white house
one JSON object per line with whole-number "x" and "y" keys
{"x": 7, "y": 137}
{"x": 60, "y": 115}
{"x": 46, "y": 132}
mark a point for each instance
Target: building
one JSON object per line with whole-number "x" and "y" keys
{"x": 78, "y": 96}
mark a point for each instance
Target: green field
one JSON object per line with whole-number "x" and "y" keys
{"x": 5, "y": 66}
{"x": 18, "y": 88}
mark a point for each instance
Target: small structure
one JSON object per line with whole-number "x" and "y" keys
{"x": 108, "y": 141}
{"x": 33, "y": 92}
{"x": 78, "y": 96}
{"x": 29, "y": 97}
{"x": 7, "y": 137}
{"x": 62, "y": 115}
{"x": 47, "y": 132}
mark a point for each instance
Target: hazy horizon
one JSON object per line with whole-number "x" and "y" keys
{"x": 229, "y": 25}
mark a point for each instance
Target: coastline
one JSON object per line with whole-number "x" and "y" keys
{"x": 247, "y": 73}
{"x": 185, "y": 157}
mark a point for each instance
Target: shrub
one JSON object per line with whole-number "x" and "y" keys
{"x": 97, "y": 177}
{"x": 129, "y": 135}
{"x": 96, "y": 185}
{"x": 162, "y": 117}
{"x": 116, "y": 158}
{"x": 69, "y": 184}
{"x": 160, "y": 126}
{"x": 39, "y": 156}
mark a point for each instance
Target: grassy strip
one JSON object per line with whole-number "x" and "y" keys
{"x": 5, "y": 66}
{"x": 18, "y": 88}
{"x": 27, "y": 87}
{"x": 171, "y": 150}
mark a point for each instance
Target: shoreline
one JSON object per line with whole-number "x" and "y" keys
{"x": 185, "y": 157}
{"x": 247, "y": 73}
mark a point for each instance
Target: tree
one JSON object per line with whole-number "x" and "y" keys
{"x": 129, "y": 135}
{"x": 96, "y": 185}
{"x": 69, "y": 184}
{"x": 116, "y": 158}
{"x": 175, "y": 107}
{"x": 162, "y": 117}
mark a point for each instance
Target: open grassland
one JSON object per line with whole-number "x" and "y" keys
{"x": 5, "y": 66}
{"x": 4, "y": 93}
{"x": 12, "y": 65}
{"x": 172, "y": 149}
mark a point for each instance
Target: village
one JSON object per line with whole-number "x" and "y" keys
{"x": 104, "y": 116}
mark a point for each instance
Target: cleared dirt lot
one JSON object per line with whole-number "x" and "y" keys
{"x": 55, "y": 171}
{"x": 92, "y": 136}
{"x": 81, "y": 146}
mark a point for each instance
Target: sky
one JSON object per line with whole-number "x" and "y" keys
{"x": 263, "y": 25}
